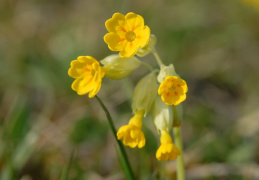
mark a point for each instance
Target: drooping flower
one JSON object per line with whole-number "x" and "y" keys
{"x": 173, "y": 90}
{"x": 117, "y": 67}
{"x": 131, "y": 134}
{"x": 126, "y": 33}
{"x": 166, "y": 71}
{"x": 167, "y": 150}
{"x": 88, "y": 75}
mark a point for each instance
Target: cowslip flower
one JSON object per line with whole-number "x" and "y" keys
{"x": 131, "y": 134}
{"x": 167, "y": 150}
{"x": 88, "y": 75}
{"x": 166, "y": 71}
{"x": 163, "y": 117}
{"x": 126, "y": 33}
{"x": 173, "y": 90}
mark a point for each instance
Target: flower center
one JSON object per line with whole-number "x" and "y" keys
{"x": 172, "y": 87}
{"x": 130, "y": 36}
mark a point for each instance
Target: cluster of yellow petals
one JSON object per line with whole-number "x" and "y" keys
{"x": 126, "y": 33}
{"x": 173, "y": 90}
{"x": 88, "y": 75}
{"x": 131, "y": 134}
{"x": 167, "y": 150}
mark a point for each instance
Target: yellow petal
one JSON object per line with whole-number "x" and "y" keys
{"x": 76, "y": 69}
{"x": 142, "y": 36}
{"x": 134, "y": 21}
{"x": 113, "y": 41}
{"x": 142, "y": 142}
{"x": 129, "y": 50}
{"x": 78, "y": 85}
{"x": 117, "y": 19}
{"x": 181, "y": 99}
{"x": 86, "y": 59}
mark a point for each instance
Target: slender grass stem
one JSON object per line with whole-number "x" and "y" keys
{"x": 180, "y": 162}
{"x": 129, "y": 174}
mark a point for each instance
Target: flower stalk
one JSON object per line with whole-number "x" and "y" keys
{"x": 158, "y": 59}
{"x": 180, "y": 162}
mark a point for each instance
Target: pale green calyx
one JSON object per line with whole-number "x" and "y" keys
{"x": 166, "y": 71}
{"x": 162, "y": 115}
{"x": 148, "y": 48}
{"x": 145, "y": 93}
{"x": 117, "y": 67}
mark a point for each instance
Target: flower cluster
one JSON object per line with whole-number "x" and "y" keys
{"x": 160, "y": 92}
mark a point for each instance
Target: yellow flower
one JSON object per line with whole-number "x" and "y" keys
{"x": 126, "y": 33}
{"x": 131, "y": 134}
{"x": 173, "y": 90}
{"x": 167, "y": 150}
{"x": 88, "y": 75}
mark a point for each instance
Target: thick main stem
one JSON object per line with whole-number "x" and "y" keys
{"x": 180, "y": 162}
{"x": 122, "y": 150}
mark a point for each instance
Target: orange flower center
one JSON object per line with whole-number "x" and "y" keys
{"x": 130, "y": 36}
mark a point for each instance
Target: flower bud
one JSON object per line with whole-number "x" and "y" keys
{"x": 145, "y": 93}
{"x": 162, "y": 115}
{"x": 166, "y": 71}
{"x": 117, "y": 67}
{"x": 148, "y": 48}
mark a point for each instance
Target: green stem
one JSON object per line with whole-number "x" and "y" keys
{"x": 114, "y": 131}
{"x": 147, "y": 66}
{"x": 158, "y": 59}
{"x": 180, "y": 162}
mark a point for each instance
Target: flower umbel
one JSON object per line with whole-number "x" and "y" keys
{"x": 88, "y": 75}
{"x": 173, "y": 90}
{"x": 131, "y": 134}
{"x": 126, "y": 33}
{"x": 167, "y": 150}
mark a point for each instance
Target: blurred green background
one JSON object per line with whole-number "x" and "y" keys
{"x": 214, "y": 46}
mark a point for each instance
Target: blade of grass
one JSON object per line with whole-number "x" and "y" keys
{"x": 64, "y": 175}
{"x": 129, "y": 174}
